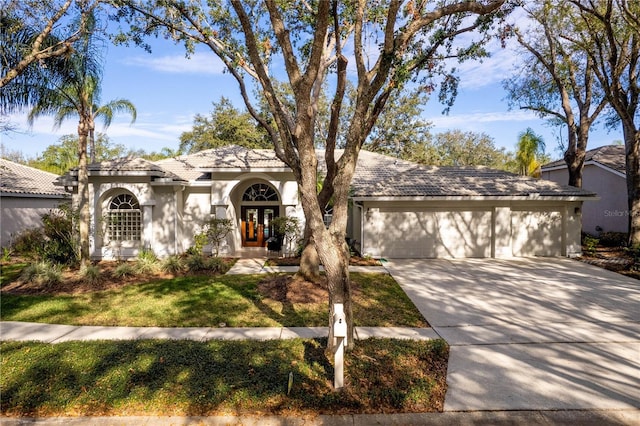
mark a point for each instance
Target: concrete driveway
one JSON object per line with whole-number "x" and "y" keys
{"x": 531, "y": 333}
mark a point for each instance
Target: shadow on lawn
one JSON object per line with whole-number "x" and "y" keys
{"x": 198, "y": 378}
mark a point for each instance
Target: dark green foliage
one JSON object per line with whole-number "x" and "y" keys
{"x": 614, "y": 239}
{"x": 28, "y": 243}
{"x": 54, "y": 242}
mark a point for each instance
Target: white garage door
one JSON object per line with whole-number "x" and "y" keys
{"x": 429, "y": 234}
{"x": 536, "y": 233}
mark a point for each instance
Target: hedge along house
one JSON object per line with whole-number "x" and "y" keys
{"x": 399, "y": 209}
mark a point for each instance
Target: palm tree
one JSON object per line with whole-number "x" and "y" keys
{"x": 529, "y": 151}
{"x": 104, "y": 112}
{"x": 78, "y": 95}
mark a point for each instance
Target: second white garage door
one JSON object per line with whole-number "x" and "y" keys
{"x": 536, "y": 232}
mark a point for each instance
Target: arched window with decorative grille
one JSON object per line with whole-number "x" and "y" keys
{"x": 260, "y": 192}
{"x": 124, "y": 218}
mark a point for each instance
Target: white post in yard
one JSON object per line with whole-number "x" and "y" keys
{"x": 340, "y": 336}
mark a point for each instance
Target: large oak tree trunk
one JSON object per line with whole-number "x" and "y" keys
{"x": 309, "y": 259}
{"x": 632, "y": 151}
{"x": 576, "y": 152}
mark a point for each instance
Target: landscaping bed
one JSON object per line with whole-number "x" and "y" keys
{"x": 616, "y": 259}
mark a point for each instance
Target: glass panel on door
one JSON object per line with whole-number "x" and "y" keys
{"x": 251, "y": 219}
{"x": 269, "y": 214}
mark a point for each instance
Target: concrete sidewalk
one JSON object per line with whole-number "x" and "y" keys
{"x": 478, "y": 418}
{"x": 56, "y": 333}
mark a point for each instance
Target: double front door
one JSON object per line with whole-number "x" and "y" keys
{"x": 256, "y": 225}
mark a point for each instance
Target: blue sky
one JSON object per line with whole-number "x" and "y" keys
{"x": 168, "y": 90}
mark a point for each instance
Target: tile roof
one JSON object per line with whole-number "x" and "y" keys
{"x": 611, "y": 156}
{"x": 136, "y": 166}
{"x": 381, "y": 176}
{"x": 195, "y": 166}
{"x": 19, "y": 179}
{"x": 376, "y": 175}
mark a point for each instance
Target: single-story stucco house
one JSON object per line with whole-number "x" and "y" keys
{"x": 25, "y": 195}
{"x": 399, "y": 209}
{"x": 605, "y": 174}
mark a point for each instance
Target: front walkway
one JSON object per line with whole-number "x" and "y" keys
{"x": 257, "y": 265}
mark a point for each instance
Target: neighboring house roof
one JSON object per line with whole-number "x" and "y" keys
{"x": 19, "y": 180}
{"x": 376, "y": 176}
{"x": 609, "y": 156}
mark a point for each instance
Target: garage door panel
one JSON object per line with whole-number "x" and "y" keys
{"x": 431, "y": 234}
{"x": 536, "y": 233}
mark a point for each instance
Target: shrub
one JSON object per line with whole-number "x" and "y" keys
{"x": 199, "y": 241}
{"x": 147, "y": 262}
{"x": 124, "y": 270}
{"x": 614, "y": 239}
{"x": 217, "y": 231}
{"x": 173, "y": 265}
{"x": 590, "y": 243}
{"x": 288, "y": 228}
{"x": 29, "y": 243}
{"x": 196, "y": 262}
{"x": 60, "y": 246}
{"x": 215, "y": 264}
{"x": 91, "y": 273}
{"x": 42, "y": 273}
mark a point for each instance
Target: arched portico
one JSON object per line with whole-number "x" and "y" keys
{"x": 259, "y": 203}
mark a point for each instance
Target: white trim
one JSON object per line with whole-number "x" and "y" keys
{"x": 607, "y": 168}
{"x": 245, "y": 170}
{"x": 586, "y": 163}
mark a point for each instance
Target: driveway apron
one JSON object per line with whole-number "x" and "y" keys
{"x": 531, "y": 333}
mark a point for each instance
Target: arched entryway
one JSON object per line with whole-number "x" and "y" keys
{"x": 260, "y": 205}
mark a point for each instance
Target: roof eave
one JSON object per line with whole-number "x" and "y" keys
{"x": 32, "y": 195}
{"x": 244, "y": 169}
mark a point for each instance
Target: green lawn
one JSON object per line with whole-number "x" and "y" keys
{"x": 205, "y": 301}
{"x": 151, "y": 377}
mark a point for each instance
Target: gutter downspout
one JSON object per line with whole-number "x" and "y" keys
{"x": 176, "y": 231}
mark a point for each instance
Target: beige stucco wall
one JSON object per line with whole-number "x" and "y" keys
{"x": 21, "y": 213}
{"x": 610, "y": 212}
{"x": 457, "y": 229}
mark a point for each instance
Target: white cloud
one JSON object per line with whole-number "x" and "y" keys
{"x": 198, "y": 63}
{"x": 471, "y": 119}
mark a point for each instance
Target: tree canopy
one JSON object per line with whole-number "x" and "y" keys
{"x": 226, "y": 125}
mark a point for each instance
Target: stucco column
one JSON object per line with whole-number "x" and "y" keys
{"x": 501, "y": 235}
{"x": 572, "y": 228}
{"x": 147, "y": 226}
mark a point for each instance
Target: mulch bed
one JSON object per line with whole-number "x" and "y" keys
{"x": 615, "y": 259}
{"x": 294, "y": 289}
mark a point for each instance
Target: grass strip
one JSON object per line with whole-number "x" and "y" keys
{"x": 151, "y": 377}
{"x": 205, "y": 301}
